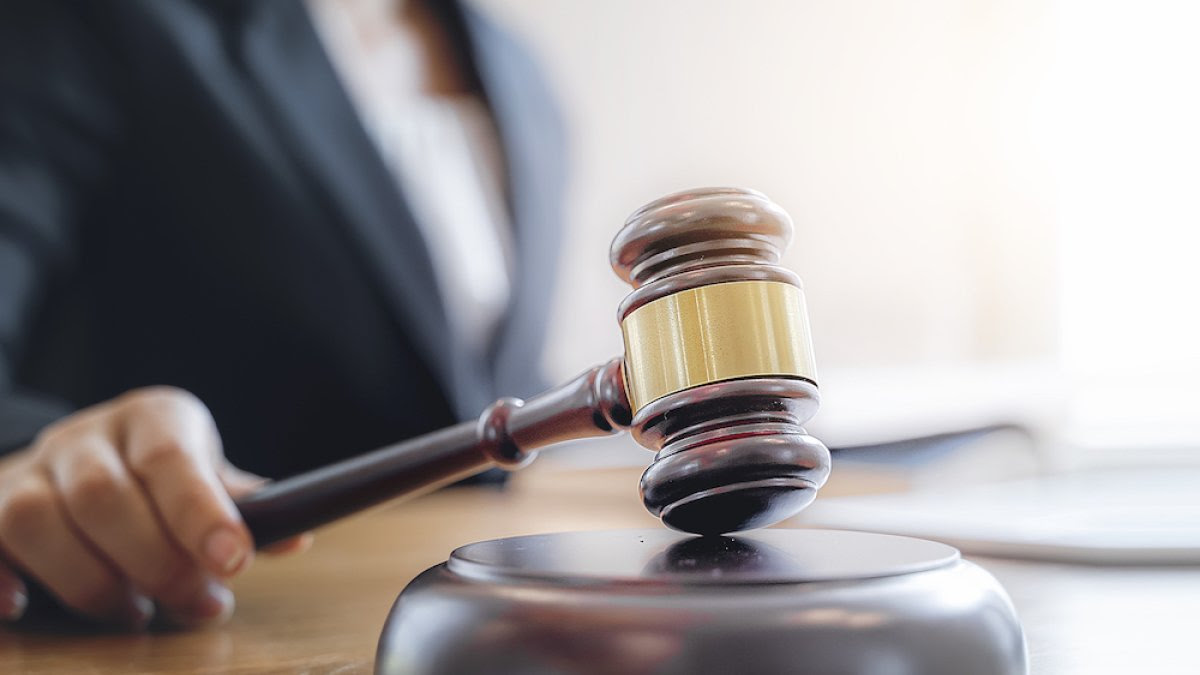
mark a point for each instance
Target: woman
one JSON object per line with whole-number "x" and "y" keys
{"x": 262, "y": 235}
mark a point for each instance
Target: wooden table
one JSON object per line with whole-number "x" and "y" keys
{"x": 321, "y": 612}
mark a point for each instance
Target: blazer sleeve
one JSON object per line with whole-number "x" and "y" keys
{"x": 58, "y": 129}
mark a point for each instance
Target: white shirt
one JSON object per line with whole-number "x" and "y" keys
{"x": 442, "y": 151}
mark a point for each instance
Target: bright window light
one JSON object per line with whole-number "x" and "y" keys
{"x": 1121, "y": 124}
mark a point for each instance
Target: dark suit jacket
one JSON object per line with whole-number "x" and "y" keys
{"x": 188, "y": 198}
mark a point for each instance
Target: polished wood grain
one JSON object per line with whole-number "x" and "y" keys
{"x": 321, "y": 612}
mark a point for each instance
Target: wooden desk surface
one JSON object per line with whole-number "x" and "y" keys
{"x": 321, "y": 612}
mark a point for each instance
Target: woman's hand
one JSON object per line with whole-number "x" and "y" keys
{"x": 123, "y": 507}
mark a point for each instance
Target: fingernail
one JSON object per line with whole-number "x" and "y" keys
{"x": 13, "y": 606}
{"x": 141, "y": 610}
{"x": 217, "y": 607}
{"x": 225, "y": 549}
{"x": 212, "y": 605}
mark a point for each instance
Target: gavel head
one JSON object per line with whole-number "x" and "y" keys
{"x": 718, "y": 361}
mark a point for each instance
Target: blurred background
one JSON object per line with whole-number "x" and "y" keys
{"x": 996, "y": 202}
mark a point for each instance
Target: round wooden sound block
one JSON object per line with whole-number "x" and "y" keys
{"x": 655, "y": 601}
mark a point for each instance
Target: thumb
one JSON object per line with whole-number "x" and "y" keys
{"x": 239, "y": 483}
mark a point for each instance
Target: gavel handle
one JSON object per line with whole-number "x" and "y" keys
{"x": 303, "y": 502}
{"x": 505, "y": 435}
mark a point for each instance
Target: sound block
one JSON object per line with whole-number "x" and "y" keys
{"x": 655, "y": 601}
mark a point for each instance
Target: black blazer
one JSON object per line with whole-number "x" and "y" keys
{"x": 187, "y": 197}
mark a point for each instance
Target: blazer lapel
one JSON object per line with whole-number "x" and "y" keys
{"x": 285, "y": 58}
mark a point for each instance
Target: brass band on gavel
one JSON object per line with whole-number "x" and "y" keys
{"x": 715, "y": 333}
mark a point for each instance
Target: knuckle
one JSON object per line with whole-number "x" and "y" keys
{"x": 94, "y": 490}
{"x": 49, "y": 433}
{"x": 54, "y": 437}
{"x": 161, "y": 397}
{"x": 25, "y": 511}
{"x": 69, "y": 433}
{"x": 157, "y": 457}
{"x": 63, "y": 431}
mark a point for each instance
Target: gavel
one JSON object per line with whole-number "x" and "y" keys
{"x": 717, "y": 378}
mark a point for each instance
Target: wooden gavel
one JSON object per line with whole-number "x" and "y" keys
{"x": 718, "y": 378}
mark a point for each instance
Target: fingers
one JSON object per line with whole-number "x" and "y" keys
{"x": 170, "y": 445}
{"x": 13, "y": 597}
{"x": 239, "y": 483}
{"x": 37, "y": 536}
{"x": 119, "y": 502}
{"x": 109, "y": 507}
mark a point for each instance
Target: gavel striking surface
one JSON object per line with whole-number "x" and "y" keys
{"x": 653, "y": 601}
